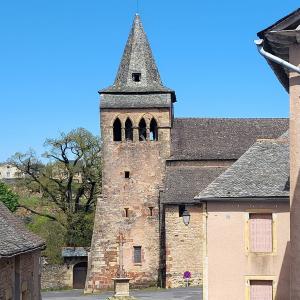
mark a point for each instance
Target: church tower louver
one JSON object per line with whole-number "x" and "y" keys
{"x": 136, "y": 118}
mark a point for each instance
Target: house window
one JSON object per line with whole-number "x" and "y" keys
{"x": 261, "y": 233}
{"x": 136, "y": 77}
{"x": 142, "y": 130}
{"x": 261, "y": 290}
{"x": 127, "y": 174}
{"x": 117, "y": 130}
{"x": 137, "y": 256}
{"x": 181, "y": 210}
{"x": 128, "y": 130}
{"x": 153, "y": 130}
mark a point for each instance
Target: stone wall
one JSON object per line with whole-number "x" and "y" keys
{"x": 56, "y": 277}
{"x": 184, "y": 246}
{"x": 146, "y": 163}
{"x": 20, "y": 275}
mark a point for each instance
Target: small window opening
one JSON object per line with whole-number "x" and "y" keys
{"x": 153, "y": 130}
{"x": 136, "y": 77}
{"x": 137, "y": 254}
{"x": 142, "y": 130}
{"x": 117, "y": 130}
{"x": 126, "y": 212}
{"x": 127, "y": 174}
{"x": 128, "y": 130}
{"x": 151, "y": 211}
{"x": 181, "y": 210}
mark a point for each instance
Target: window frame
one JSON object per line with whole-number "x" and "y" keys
{"x": 140, "y": 255}
{"x": 248, "y": 280}
{"x": 247, "y": 232}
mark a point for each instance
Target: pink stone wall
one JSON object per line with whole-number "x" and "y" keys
{"x": 146, "y": 163}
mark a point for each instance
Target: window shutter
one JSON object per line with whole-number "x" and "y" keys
{"x": 261, "y": 290}
{"x": 261, "y": 233}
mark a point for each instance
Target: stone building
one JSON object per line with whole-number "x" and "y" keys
{"x": 19, "y": 259}
{"x": 153, "y": 166}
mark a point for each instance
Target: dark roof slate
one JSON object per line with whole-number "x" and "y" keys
{"x": 184, "y": 183}
{"x": 226, "y": 139}
{"x": 14, "y": 237}
{"x": 262, "y": 172}
{"x": 137, "y": 58}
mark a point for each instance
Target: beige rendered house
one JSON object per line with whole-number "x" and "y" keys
{"x": 260, "y": 193}
{"x": 247, "y": 226}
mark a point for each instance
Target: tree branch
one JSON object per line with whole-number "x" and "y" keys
{"x": 40, "y": 214}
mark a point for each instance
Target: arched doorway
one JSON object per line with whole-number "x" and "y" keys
{"x": 79, "y": 275}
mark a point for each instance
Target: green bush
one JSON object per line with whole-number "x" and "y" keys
{"x": 8, "y": 197}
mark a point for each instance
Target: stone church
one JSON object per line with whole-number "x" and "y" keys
{"x": 148, "y": 224}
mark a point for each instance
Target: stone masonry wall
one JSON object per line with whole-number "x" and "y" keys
{"x": 184, "y": 246}
{"x": 146, "y": 163}
{"x": 56, "y": 277}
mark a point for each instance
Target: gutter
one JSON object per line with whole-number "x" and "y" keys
{"x": 273, "y": 58}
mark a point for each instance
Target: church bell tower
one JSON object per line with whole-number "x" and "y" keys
{"x": 136, "y": 119}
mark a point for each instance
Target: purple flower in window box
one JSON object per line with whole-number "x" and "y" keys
{"x": 187, "y": 275}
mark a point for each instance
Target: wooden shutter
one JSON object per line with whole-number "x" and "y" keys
{"x": 261, "y": 290}
{"x": 261, "y": 233}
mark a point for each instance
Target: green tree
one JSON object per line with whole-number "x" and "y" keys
{"x": 70, "y": 181}
{"x": 8, "y": 197}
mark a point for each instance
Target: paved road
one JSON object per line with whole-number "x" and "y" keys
{"x": 174, "y": 294}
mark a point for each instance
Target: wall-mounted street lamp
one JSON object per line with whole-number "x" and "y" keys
{"x": 186, "y": 217}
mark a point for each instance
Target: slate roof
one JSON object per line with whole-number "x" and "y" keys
{"x": 277, "y": 39}
{"x": 14, "y": 237}
{"x": 226, "y": 139}
{"x": 137, "y": 58}
{"x": 262, "y": 172}
{"x": 74, "y": 252}
{"x": 184, "y": 183}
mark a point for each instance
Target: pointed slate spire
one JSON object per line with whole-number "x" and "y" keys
{"x": 138, "y": 71}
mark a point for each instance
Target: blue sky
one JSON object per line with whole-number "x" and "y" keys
{"x": 55, "y": 55}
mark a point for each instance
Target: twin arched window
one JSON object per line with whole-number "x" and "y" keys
{"x": 117, "y": 130}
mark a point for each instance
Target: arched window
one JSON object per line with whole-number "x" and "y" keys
{"x": 128, "y": 130}
{"x": 142, "y": 130}
{"x": 153, "y": 130}
{"x": 117, "y": 130}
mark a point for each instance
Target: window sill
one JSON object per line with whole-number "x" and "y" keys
{"x": 137, "y": 264}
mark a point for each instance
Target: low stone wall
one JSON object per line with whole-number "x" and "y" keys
{"x": 56, "y": 277}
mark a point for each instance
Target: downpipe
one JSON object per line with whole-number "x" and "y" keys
{"x": 273, "y": 58}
